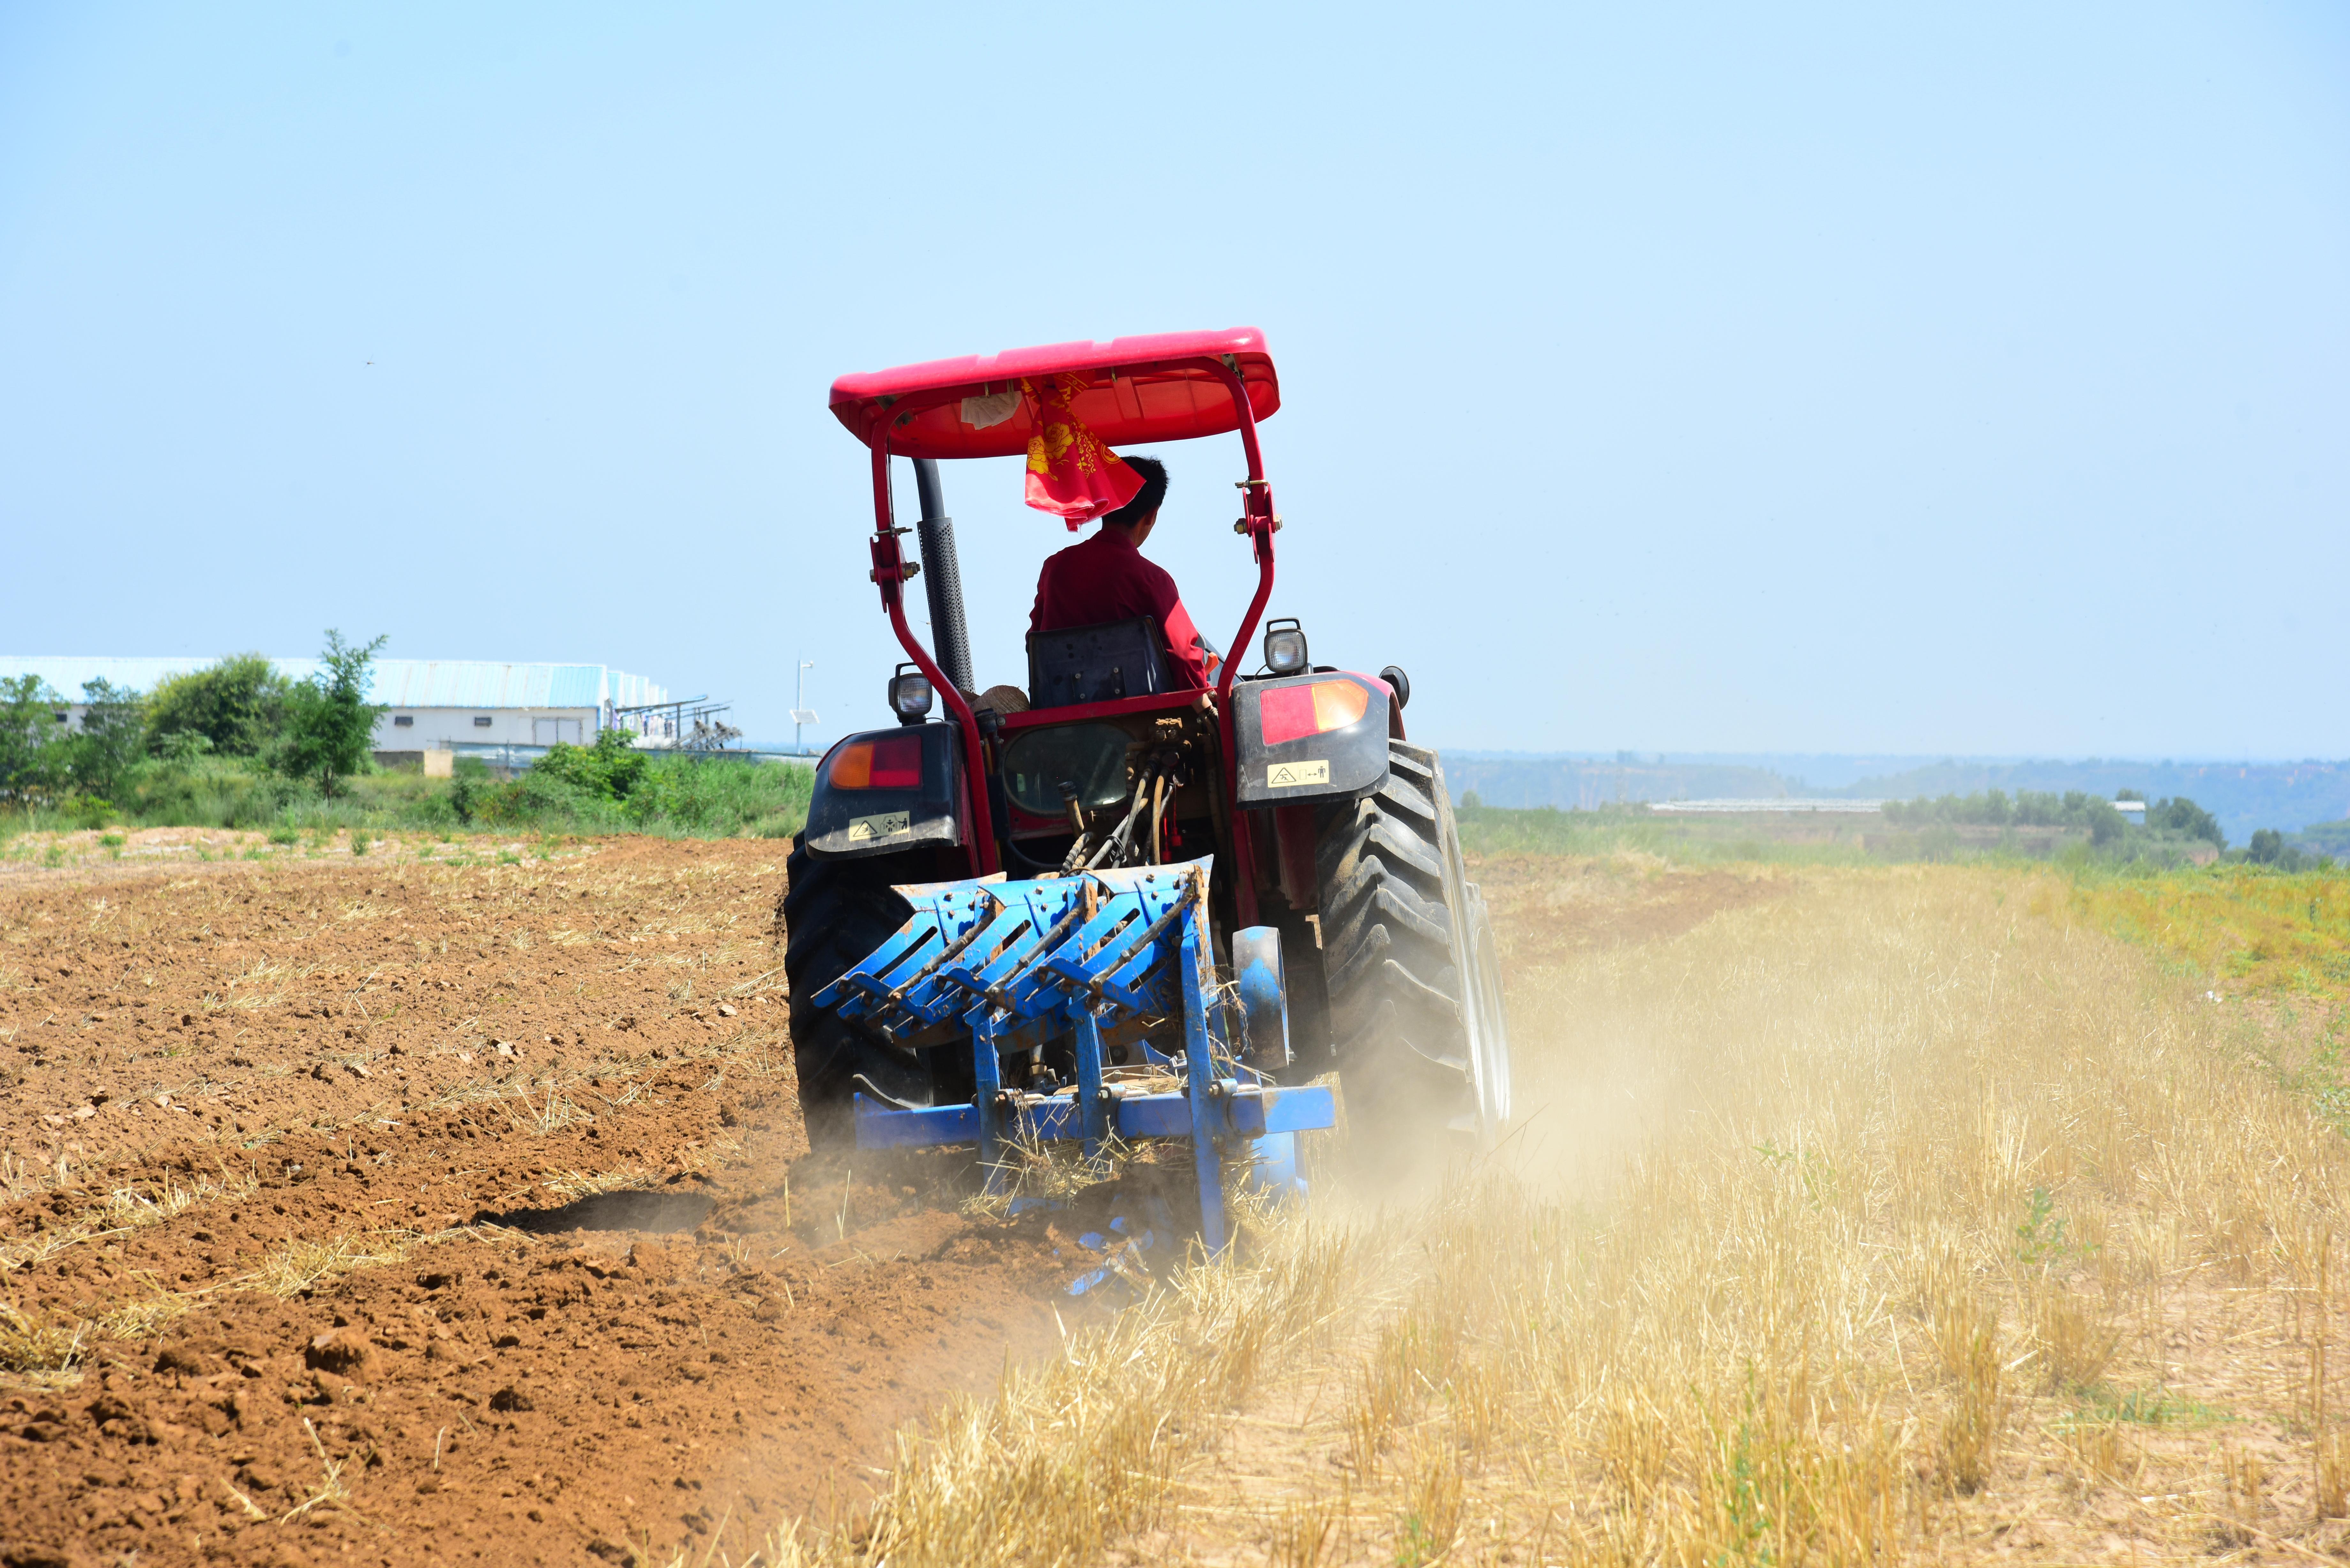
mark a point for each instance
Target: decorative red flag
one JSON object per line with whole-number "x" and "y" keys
{"x": 1070, "y": 472}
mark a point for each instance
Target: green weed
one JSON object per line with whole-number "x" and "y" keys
{"x": 2151, "y": 1406}
{"x": 2039, "y": 1238}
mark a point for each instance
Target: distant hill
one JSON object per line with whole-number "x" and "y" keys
{"x": 2326, "y": 838}
{"x": 2242, "y": 796}
{"x": 1586, "y": 783}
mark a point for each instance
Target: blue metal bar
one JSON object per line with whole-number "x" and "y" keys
{"x": 1200, "y": 1068}
{"x": 1093, "y": 1114}
{"x": 877, "y": 1127}
{"x": 1249, "y": 1112}
{"x": 987, "y": 1077}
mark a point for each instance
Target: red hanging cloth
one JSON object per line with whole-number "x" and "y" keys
{"x": 1070, "y": 472}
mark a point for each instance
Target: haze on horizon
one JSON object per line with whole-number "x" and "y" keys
{"x": 1969, "y": 382}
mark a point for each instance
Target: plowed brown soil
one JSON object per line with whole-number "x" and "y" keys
{"x": 416, "y": 1208}
{"x": 1547, "y": 909}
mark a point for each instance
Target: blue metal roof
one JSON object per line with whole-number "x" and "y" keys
{"x": 476, "y": 683}
{"x": 396, "y": 682}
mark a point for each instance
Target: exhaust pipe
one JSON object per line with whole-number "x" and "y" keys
{"x": 942, "y": 579}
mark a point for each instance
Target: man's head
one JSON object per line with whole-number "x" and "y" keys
{"x": 1137, "y": 515}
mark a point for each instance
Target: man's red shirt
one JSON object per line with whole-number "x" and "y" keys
{"x": 1105, "y": 578}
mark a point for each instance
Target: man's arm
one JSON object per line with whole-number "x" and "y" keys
{"x": 1184, "y": 644}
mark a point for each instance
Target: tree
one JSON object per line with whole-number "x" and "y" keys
{"x": 329, "y": 722}
{"x": 2183, "y": 817}
{"x": 238, "y": 706}
{"x": 113, "y": 736}
{"x": 29, "y": 754}
{"x": 2267, "y": 847}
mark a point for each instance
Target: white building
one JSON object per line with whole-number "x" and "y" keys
{"x": 447, "y": 705}
{"x": 432, "y": 704}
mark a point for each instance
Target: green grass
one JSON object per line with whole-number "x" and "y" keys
{"x": 674, "y": 796}
{"x": 1823, "y": 839}
{"x": 1613, "y": 830}
{"x": 2253, "y": 929}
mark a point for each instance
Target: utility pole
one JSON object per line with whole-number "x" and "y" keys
{"x": 801, "y": 716}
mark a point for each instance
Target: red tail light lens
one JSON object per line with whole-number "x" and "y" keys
{"x": 893, "y": 764}
{"x": 1293, "y": 713}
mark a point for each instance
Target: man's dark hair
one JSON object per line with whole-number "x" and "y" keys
{"x": 1148, "y": 499}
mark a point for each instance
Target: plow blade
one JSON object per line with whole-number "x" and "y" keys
{"x": 1125, "y": 952}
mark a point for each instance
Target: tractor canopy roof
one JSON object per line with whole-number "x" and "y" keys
{"x": 1162, "y": 387}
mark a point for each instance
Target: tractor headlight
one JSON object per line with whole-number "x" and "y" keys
{"x": 1285, "y": 648}
{"x": 910, "y": 694}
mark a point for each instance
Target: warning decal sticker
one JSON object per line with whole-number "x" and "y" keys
{"x": 889, "y": 825}
{"x": 1284, "y": 775}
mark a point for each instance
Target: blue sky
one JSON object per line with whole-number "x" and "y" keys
{"x": 1958, "y": 380}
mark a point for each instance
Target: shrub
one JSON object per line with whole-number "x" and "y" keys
{"x": 610, "y": 768}
{"x": 237, "y": 706}
{"x": 468, "y": 782}
{"x": 538, "y": 797}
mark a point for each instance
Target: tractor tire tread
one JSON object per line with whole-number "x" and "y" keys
{"x": 1391, "y": 904}
{"x": 832, "y": 914}
{"x": 1389, "y": 958}
{"x": 1374, "y": 830}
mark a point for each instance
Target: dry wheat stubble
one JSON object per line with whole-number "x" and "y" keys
{"x": 1898, "y": 1214}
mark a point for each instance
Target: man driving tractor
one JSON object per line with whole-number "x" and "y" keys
{"x": 1105, "y": 578}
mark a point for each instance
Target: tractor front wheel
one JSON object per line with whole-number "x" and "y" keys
{"x": 1409, "y": 956}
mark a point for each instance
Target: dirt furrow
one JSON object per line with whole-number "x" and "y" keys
{"x": 396, "y": 1207}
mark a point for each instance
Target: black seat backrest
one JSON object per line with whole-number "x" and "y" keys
{"x": 1095, "y": 663}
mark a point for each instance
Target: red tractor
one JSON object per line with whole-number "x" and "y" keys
{"x": 986, "y": 917}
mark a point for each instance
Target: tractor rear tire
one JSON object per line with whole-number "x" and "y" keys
{"x": 1403, "y": 934}
{"x": 1492, "y": 1014}
{"x": 834, "y": 913}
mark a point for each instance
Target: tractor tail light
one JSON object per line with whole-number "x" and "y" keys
{"x": 892, "y": 764}
{"x": 1293, "y": 713}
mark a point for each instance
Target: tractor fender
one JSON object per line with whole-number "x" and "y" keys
{"x": 1320, "y": 736}
{"x": 885, "y": 790}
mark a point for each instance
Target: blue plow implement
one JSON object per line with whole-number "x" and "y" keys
{"x": 1084, "y": 956}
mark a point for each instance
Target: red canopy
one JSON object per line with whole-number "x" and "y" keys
{"x": 1137, "y": 390}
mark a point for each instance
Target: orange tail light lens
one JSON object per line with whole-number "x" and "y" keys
{"x": 1293, "y": 713}
{"x": 893, "y": 764}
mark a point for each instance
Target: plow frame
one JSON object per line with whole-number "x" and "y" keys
{"x": 1015, "y": 962}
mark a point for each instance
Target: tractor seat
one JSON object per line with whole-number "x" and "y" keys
{"x": 1102, "y": 663}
